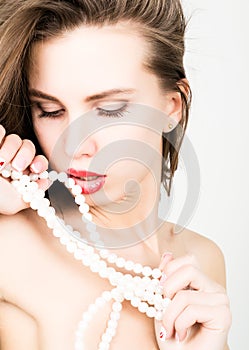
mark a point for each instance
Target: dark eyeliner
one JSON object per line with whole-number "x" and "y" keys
{"x": 117, "y": 113}
{"x": 45, "y": 114}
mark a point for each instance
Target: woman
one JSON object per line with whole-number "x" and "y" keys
{"x": 93, "y": 86}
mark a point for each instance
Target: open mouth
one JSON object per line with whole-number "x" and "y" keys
{"x": 89, "y": 182}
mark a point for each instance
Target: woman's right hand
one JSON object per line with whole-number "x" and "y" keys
{"x": 21, "y": 155}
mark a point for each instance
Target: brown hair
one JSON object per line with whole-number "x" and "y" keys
{"x": 23, "y": 22}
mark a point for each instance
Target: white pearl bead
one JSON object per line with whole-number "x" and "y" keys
{"x": 138, "y": 268}
{"x": 115, "y": 316}
{"x": 139, "y": 292}
{"x": 27, "y": 197}
{"x": 112, "y": 258}
{"x": 147, "y": 271}
{"x": 64, "y": 239}
{"x": 103, "y": 346}
{"x": 143, "y": 307}
{"x": 86, "y": 260}
{"x": 88, "y": 216}
{"x": 91, "y": 227}
{"x": 24, "y": 179}
{"x": 80, "y": 199}
{"x": 117, "y": 307}
{"x": 71, "y": 247}
{"x": 120, "y": 262}
{"x": 159, "y": 316}
{"x": 151, "y": 312}
{"x": 16, "y": 175}
{"x": 94, "y": 266}
{"x": 156, "y": 273}
{"x": 69, "y": 183}
{"x": 104, "y": 253}
{"x": 135, "y": 301}
{"x": 76, "y": 190}
{"x": 32, "y": 186}
{"x": 42, "y": 211}
{"x": 78, "y": 254}
{"x": 117, "y": 295}
{"x": 84, "y": 208}
{"x": 129, "y": 265}
{"x": 128, "y": 295}
{"x": 53, "y": 175}
{"x": 111, "y": 331}
{"x": 33, "y": 177}
{"x": 92, "y": 309}
{"x": 6, "y": 173}
{"x": 39, "y": 194}
{"x": 43, "y": 175}
{"x": 166, "y": 302}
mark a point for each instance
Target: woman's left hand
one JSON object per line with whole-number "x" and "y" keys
{"x": 198, "y": 316}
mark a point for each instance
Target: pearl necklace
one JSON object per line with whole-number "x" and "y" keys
{"x": 143, "y": 290}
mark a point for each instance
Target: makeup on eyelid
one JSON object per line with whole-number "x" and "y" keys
{"x": 111, "y": 113}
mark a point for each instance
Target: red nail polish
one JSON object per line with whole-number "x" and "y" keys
{"x": 163, "y": 334}
{"x": 2, "y": 163}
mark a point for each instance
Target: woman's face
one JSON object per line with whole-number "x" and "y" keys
{"x": 93, "y": 101}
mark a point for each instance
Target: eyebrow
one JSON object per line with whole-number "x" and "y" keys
{"x": 95, "y": 97}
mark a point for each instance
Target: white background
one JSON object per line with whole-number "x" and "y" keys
{"x": 217, "y": 65}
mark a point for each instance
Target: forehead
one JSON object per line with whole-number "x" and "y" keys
{"x": 107, "y": 56}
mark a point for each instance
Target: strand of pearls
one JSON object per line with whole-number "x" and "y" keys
{"x": 143, "y": 290}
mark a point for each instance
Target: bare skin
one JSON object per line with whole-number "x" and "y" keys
{"x": 43, "y": 288}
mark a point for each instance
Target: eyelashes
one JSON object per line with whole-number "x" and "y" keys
{"x": 115, "y": 113}
{"x": 54, "y": 114}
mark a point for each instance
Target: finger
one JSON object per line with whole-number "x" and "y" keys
{"x": 189, "y": 277}
{"x": 9, "y": 148}
{"x": 212, "y": 318}
{"x": 39, "y": 164}
{"x": 166, "y": 257}
{"x": 177, "y": 263}
{"x": 10, "y": 200}
{"x": 24, "y": 155}
{"x": 185, "y": 298}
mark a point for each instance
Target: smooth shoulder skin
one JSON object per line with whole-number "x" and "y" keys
{"x": 29, "y": 255}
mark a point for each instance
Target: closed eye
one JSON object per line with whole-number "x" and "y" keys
{"x": 53, "y": 114}
{"x": 113, "y": 113}
{"x": 49, "y": 114}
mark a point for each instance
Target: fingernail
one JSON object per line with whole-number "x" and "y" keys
{"x": 163, "y": 334}
{"x": 19, "y": 164}
{"x": 165, "y": 258}
{"x": 36, "y": 167}
{"x": 2, "y": 163}
{"x": 177, "y": 338}
{"x": 162, "y": 279}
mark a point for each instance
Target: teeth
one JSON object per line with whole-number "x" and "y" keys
{"x": 89, "y": 178}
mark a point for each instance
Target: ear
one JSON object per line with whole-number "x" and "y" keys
{"x": 173, "y": 105}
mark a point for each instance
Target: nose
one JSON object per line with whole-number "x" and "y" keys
{"x": 77, "y": 143}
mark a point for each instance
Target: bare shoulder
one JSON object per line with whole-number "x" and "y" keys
{"x": 207, "y": 253}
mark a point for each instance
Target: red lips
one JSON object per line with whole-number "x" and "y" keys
{"x": 89, "y": 181}
{"x": 82, "y": 173}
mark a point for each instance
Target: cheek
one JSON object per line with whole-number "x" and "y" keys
{"x": 46, "y": 138}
